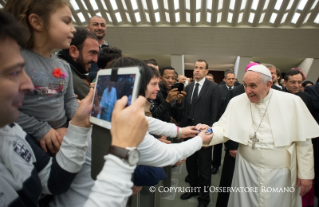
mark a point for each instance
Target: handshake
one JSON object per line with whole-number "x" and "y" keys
{"x": 206, "y": 133}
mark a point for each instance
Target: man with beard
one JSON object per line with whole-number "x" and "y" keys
{"x": 97, "y": 25}
{"x": 80, "y": 55}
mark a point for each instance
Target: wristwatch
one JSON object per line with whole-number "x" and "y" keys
{"x": 129, "y": 155}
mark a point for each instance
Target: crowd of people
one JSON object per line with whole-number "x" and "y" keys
{"x": 268, "y": 127}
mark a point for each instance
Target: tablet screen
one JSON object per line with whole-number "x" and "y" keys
{"x": 108, "y": 92}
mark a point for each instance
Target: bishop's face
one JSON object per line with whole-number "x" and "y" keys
{"x": 255, "y": 87}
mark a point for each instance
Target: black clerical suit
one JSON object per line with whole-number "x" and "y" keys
{"x": 229, "y": 161}
{"x": 313, "y": 91}
{"x": 217, "y": 154}
{"x": 203, "y": 109}
{"x": 306, "y": 99}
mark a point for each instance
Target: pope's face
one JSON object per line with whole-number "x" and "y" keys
{"x": 255, "y": 87}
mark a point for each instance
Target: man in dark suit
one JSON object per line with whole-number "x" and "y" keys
{"x": 293, "y": 81}
{"x": 201, "y": 105}
{"x": 313, "y": 91}
{"x": 229, "y": 79}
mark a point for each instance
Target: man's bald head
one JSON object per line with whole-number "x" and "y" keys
{"x": 97, "y": 25}
{"x": 181, "y": 79}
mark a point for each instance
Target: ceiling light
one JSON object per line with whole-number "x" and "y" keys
{"x": 177, "y": 17}
{"x": 230, "y": 17}
{"x": 81, "y": 17}
{"x": 243, "y": 4}
{"x": 137, "y": 17}
{"x": 240, "y": 17}
{"x": 209, "y": 17}
{"x": 290, "y": 4}
{"x": 219, "y": 17}
{"x": 109, "y": 17}
{"x": 306, "y": 19}
{"x": 147, "y": 17}
{"x": 134, "y": 4}
{"x": 84, "y": 5}
{"x": 128, "y": 17}
{"x": 94, "y": 5}
{"x": 273, "y": 18}
{"x": 302, "y": 4}
{"x": 188, "y": 4}
{"x": 255, "y": 4}
{"x": 251, "y": 17}
{"x": 103, "y": 3}
{"x": 155, "y": 5}
{"x": 114, "y": 5}
{"x": 284, "y": 18}
{"x": 262, "y": 16}
{"x": 314, "y": 4}
{"x": 198, "y": 4}
{"x": 165, "y": 5}
{"x": 278, "y": 4}
{"x": 124, "y": 4}
{"x": 295, "y": 18}
{"x": 157, "y": 17}
{"x": 167, "y": 17}
{"x": 118, "y": 17}
{"x": 220, "y": 4}
{"x": 209, "y": 4}
{"x": 266, "y": 5}
{"x": 74, "y": 5}
{"x": 188, "y": 17}
{"x": 176, "y": 4}
{"x": 232, "y": 4}
{"x": 198, "y": 17}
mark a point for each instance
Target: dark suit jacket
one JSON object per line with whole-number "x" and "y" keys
{"x": 306, "y": 99}
{"x": 313, "y": 91}
{"x": 223, "y": 91}
{"x": 207, "y": 105}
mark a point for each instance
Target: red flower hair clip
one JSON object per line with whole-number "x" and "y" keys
{"x": 57, "y": 72}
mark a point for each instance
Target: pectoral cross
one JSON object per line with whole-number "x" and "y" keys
{"x": 254, "y": 140}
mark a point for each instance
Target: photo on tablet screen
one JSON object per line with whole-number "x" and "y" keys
{"x": 108, "y": 92}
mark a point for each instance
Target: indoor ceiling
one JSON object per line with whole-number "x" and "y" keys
{"x": 252, "y": 13}
{"x": 171, "y": 15}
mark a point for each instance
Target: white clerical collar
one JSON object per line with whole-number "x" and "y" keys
{"x": 232, "y": 87}
{"x": 267, "y": 97}
{"x": 201, "y": 82}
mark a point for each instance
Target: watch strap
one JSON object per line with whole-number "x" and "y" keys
{"x": 119, "y": 152}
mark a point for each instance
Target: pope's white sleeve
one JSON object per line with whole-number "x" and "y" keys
{"x": 159, "y": 154}
{"x": 218, "y": 130}
{"x": 160, "y": 128}
{"x": 113, "y": 185}
{"x": 305, "y": 160}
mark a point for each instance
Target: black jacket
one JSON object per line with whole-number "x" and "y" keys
{"x": 163, "y": 110}
{"x": 306, "y": 98}
{"x": 207, "y": 104}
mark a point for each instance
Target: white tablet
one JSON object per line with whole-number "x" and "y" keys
{"x": 111, "y": 85}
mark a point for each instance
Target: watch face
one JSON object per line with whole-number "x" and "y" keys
{"x": 133, "y": 157}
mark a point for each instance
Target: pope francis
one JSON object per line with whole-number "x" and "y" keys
{"x": 275, "y": 155}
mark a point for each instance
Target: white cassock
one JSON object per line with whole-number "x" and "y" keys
{"x": 283, "y": 153}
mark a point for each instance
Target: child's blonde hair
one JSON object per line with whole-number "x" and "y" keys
{"x": 21, "y": 9}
